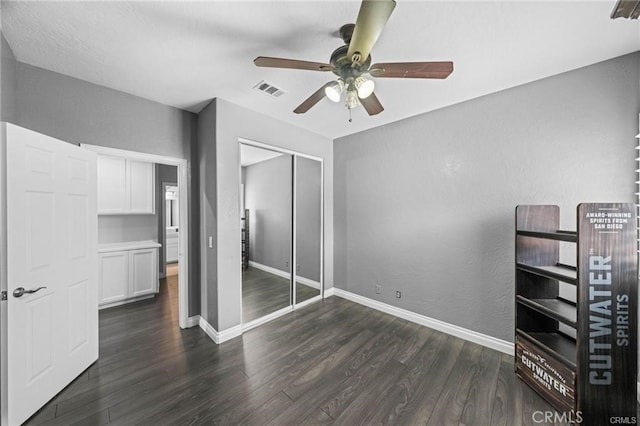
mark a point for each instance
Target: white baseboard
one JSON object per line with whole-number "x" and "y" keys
{"x": 192, "y": 321}
{"x": 222, "y": 336}
{"x": 454, "y": 330}
{"x": 265, "y": 319}
{"x": 329, "y": 292}
{"x": 308, "y": 282}
{"x": 285, "y": 274}
{"x": 124, "y": 302}
{"x": 269, "y": 269}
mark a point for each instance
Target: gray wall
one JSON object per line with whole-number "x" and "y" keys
{"x": 268, "y": 196}
{"x": 7, "y": 82}
{"x": 164, "y": 174}
{"x": 426, "y": 205}
{"x": 77, "y": 111}
{"x": 308, "y": 218}
{"x": 208, "y": 214}
{"x": 221, "y": 125}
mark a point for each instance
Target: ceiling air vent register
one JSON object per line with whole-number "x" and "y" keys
{"x": 269, "y": 89}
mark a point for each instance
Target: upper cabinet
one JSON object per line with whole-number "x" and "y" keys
{"x": 125, "y": 186}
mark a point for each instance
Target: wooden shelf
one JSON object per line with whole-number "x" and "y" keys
{"x": 557, "y": 272}
{"x": 561, "y": 347}
{"x": 555, "y": 342}
{"x": 560, "y": 235}
{"x": 557, "y": 309}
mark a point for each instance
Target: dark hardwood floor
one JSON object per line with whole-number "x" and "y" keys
{"x": 330, "y": 362}
{"x": 264, "y": 293}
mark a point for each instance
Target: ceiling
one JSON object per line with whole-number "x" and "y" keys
{"x": 185, "y": 53}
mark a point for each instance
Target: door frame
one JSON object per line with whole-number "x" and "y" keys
{"x": 165, "y": 184}
{"x": 4, "y": 383}
{"x": 294, "y": 305}
{"x": 183, "y": 241}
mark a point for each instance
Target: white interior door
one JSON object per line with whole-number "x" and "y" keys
{"x": 52, "y": 334}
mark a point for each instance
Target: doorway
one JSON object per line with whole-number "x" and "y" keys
{"x": 281, "y": 209}
{"x": 181, "y": 182}
{"x": 169, "y": 227}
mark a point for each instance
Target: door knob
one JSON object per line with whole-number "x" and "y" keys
{"x": 20, "y": 291}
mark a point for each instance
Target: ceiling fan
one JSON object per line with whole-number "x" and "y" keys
{"x": 353, "y": 60}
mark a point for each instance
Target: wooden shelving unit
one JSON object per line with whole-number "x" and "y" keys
{"x": 578, "y": 351}
{"x": 244, "y": 230}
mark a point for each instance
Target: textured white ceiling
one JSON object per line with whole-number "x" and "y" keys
{"x": 185, "y": 53}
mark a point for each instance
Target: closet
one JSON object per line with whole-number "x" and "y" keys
{"x": 281, "y": 230}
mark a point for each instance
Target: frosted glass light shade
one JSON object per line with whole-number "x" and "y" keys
{"x": 365, "y": 87}
{"x": 334, "y": 90}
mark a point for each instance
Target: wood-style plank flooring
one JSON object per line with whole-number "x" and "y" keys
{"x": 264, "y": 293}
{"x": 332, "y": 362}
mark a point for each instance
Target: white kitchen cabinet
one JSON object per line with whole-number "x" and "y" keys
{"x": 114, "y": 276}
{"x": 112, "y": 185}
{"x": 125, "y": 186}
{"x": 128, "y": 272}
{"x": 171, "y": 245}
{"x": 141, "y": 187}
{"x": 143, "y": 272}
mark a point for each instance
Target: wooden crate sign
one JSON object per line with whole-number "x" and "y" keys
{"x": 607, "y": 346}
{"x": 546, "y": 375}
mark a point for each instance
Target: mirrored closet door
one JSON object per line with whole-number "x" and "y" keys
{"x": 281, "y": 230}
{"x": 308, "y": 228}
{"x": 266, "y": 219}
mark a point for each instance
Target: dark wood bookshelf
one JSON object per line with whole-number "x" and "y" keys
{"x": 558, "y": 235}
{"x": 557, "y": 272}
{"x": 558, "y": 345}
{"x": 244, "y": 239}
{"x": 582, "y": 356}
{"x": 559, "y": 309}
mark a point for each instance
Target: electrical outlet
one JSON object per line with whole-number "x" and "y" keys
{"x": 286, "y": 263}
{"x": 398, "y": 294}
{"x": 298, "y": 267}
{"x": 378, "y": 289}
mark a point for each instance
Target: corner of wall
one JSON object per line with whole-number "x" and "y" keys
{"x": 206, "y": 196}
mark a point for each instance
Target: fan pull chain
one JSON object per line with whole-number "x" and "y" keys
{"x": 350, "y": 120}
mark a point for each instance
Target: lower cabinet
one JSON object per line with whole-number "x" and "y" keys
{"x": 143, "y": 272}
{"x": 171, "y": 245}
{"x": 127, "y": 275}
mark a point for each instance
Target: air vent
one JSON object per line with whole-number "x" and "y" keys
{"x": 269, "y": 89}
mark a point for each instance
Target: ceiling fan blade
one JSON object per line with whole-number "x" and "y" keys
{"x": 264, "y": 61}
{"x": 311, "y": 100}
{"x": 371, "y": 20}
{"x": 412, "y": 69}
{"x": 372, "y": 104}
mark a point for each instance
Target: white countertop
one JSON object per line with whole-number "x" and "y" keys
{"x": 131, "y": 245}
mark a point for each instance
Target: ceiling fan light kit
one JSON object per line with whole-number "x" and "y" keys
{"x": 364, "y": 87}
{"x": 351, "y": 61}
{"x": 334, "y": 90}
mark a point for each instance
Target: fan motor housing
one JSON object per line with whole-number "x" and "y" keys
{"x": 344, "y": 66}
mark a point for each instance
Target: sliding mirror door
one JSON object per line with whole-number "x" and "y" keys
{"x": 308, "y": 227}
{"x": 266, "y": 179}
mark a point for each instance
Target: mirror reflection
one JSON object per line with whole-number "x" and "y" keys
{"x": 266, "y": 210}
{"x": 308, "y": 207}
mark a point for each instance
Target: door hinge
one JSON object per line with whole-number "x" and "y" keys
{"x": 3, "y": 295}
